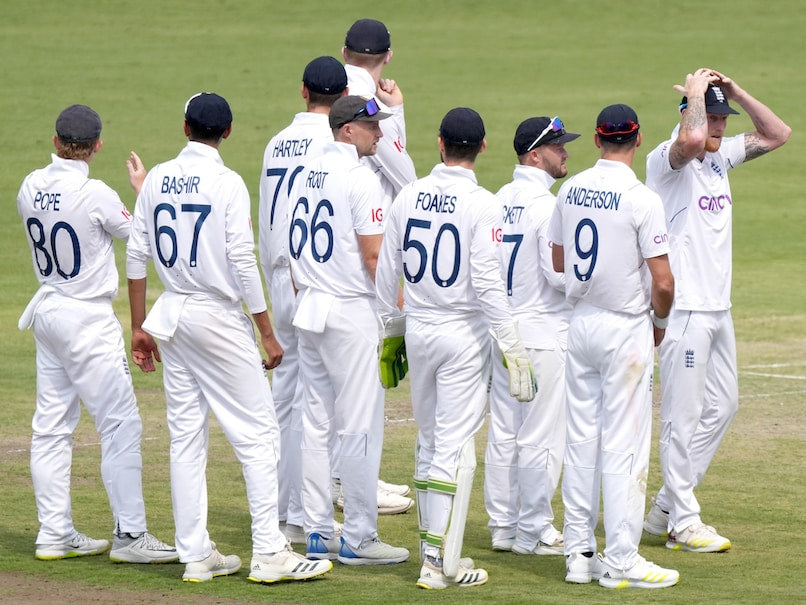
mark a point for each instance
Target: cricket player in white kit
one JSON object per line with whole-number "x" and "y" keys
{"x": 70, "y": 222}
{"x": 335, "y": 234}
{"x": 442, "y": 235}
{"x": 526, "y": 441}
{"x": 367, "y": 50}
{"x": 699, "y": 380}
{"x": 286, "y": 154}
{"x": 192, "y": 219}
{"x": 610, "y": 239}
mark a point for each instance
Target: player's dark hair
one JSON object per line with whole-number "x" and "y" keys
{"x": 68, "y": 150}
{"x": 205, "y": 135}
{"x": 322, "y": 100}
{"x": 461, "y": 152}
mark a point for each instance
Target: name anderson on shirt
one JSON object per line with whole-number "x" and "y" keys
{"x": 604, "y": 200}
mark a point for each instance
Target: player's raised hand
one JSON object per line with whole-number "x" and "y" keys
{"x": 697, "y": 83}
{"x": 137, "y": 172}
{"x": 144, "y": 350}
{"x": 389, "y": 93}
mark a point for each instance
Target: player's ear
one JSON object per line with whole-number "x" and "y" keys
{"x": 227, "y": 132}
{"x": 596, "y": 141}
{"x": 388, "y": 58}
{"x": 304, "y": 92}
{"x": 187, "y": 129}
{"x": 483, "y": 145}
{"x": 56, "y": 141}
{"x": 639, "y": 140}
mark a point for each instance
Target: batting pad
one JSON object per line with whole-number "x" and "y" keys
{"x": 452, "y": 546}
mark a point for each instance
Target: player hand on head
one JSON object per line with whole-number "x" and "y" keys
{"x": 137, "y": 172}
{"x": 697, "y": 83}
{"x": 144, "y": 350}
{"x": 388, "y": 92}
{"x": 728, "y": 86}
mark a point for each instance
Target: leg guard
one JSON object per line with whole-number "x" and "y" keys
{"x": 452, "y": 545}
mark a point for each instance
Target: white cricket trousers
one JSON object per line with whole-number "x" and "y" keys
{"x": 343, "y": 396}
{"x": 80, "y": 356}
{"x": 212, "y": 364}
{"x": 449, "y": 366}
{"x": 525, "y": 448}
{"x": 609, "y": 396}
{"x": 286, "y": 390}
{"x": 700, "y": 397}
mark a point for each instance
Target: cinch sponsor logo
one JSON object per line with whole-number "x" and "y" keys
{"x": 714, "y": 204}
{"x": 498, "y": 235}
{"x": 661, "y": 239}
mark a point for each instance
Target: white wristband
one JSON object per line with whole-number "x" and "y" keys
{"x": 660, "y": 322}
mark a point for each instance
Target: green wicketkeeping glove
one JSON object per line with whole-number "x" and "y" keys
{"x": 522, "y": 381}
{"x": 392, "y": 361}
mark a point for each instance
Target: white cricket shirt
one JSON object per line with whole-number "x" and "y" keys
{"x": 442, "y": 235}
{"x": 336, "y": 198}
{"x": 69, "y": 222}
{"x": 608, "y": 222}
{"x": 283, "y": 160}
{"x": 699, "y": 211}
{"x": 192, "y": 218}
{"x": 536, "y": 291}
{"x": 391, "y": 162}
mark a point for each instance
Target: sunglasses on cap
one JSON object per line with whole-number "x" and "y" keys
{"x": 369, "y": 109}
{"x": 610, "y": 129}
{"x": 556, "y": 125}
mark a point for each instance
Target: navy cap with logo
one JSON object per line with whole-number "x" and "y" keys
{"x": 617, "y": 124}
{"x": 534, "y": 132}
{"x": 78, "y": 124}
{"x": 462, "y": 126}
{"x": 715, "y": 101}
{"x": 354, "y": 108}
{"x": 369, "y": 37}
{"x": 325, "y": 75}
{"x": 208, "y": 112}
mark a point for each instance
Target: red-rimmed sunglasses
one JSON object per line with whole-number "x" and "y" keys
{"x": 610, "y": 129}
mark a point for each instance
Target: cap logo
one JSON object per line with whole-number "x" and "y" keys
{"x": 720, "y": 96}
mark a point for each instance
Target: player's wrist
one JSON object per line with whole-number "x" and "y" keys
{"x": 659, "y": 322}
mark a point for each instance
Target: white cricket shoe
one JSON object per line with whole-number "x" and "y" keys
{"x": 372, "y": 552}
{"x": 293, "y": 533}
{"x": 214, "y": 565}
{"x": 503, "y": 539}
{"x": 698, "y": 538}
{"x": 400, "y": 490}
{"x": 79, "y": 545}
{"x": 581, "y": 568}
{"x": 389, "y": 503}
{"x": 643, "y": 574}
{"x": 433, "y": 578}
{"x": 657, "y": 521}
{"x": 554, "y": 545}
{"x": 285, "y": 565}
{"x": 319, "y": 547}
{"x": 142, "y": 548}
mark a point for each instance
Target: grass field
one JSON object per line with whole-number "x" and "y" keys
{"x": 137, "y": 63}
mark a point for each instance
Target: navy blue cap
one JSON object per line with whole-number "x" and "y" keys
{"x": 325, "y": 75}
{"x": 462, "y": 126}
{"x": 78, "y": 124}
{"x": 209, "y": 112}
{"x": 369, "y": 37}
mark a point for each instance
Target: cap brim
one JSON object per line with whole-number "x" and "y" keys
{"x": 377, "y": 117}
{"x": 721, "y": 109}
{"x": 558, "y": 140}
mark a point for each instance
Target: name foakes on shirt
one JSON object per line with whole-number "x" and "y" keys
{"x": 593, "y": 198}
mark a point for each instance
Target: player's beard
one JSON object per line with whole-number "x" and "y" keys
{"x": 712, "y": 144}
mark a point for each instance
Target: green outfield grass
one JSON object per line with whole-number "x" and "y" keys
{"x": 136, "y": 63}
